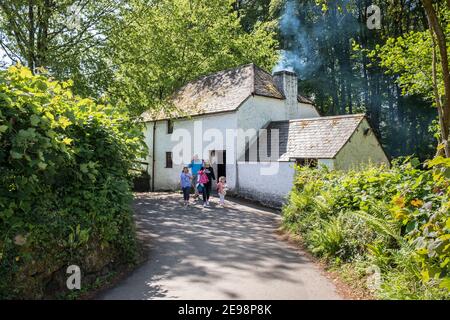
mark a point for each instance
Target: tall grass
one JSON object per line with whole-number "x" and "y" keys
{"x": 394, "y": 220}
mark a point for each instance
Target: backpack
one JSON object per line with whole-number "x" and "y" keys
{"x": 203, "y": 178}
{"x": 200, "y": 187}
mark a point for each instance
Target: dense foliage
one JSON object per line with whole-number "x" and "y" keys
{"x": 420, "y": 59}
{"x": 64, "y": 184}
{"x": 158, "y": 47}
{"x": 67, "y": 37}
{"x": 140, "y": 51}
{"x": 326, "y": 41}
{"x": 393, "y": 220}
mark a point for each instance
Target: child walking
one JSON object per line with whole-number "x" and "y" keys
{"x": 201, "y": 186}
{"x": 195, "y": 165}
{"x": 222, "y": 190}
{"x": 185, "y": 182}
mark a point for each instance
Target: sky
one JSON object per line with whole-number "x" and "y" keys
{"x": 4, "y": 59}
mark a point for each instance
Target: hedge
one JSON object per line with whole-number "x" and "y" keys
{"x": 65, "y": 196}
{"x": 393, "y": 221}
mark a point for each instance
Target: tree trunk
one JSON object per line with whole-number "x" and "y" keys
{"x": 42, "y": 39}
{"x": 436, "y": 28}
{"x": 439, "y": 152}
{"x": 31, "y": 39}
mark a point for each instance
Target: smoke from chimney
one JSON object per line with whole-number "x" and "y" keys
{"x": 294, "y": 40}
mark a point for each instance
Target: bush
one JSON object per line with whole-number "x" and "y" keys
{"x": 65, "y": 184}
{"x": 396, "y": 219}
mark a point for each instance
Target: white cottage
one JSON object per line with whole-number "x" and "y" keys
{"x": 237, "y": 119}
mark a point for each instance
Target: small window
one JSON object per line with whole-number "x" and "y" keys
{"x": 169, "y": 126}
{"x": 312, "y": 163}
{"x": 169, "y": 163}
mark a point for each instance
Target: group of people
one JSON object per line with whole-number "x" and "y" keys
{"x": 199, "y": 174}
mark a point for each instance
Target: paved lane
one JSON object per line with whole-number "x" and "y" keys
{"x": 217, "y": 253}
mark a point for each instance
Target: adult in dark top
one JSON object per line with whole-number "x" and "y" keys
{"x": 210, "y": 173}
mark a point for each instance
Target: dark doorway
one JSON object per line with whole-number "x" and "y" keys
{"x": 221, "y": 164}
{"x": 218, "y": 159}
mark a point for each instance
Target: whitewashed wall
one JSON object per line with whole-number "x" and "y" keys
{"x": 267, "y": 189}
{"x": 271, "y": 190}
{"x": 306, "y": 111}
{"x": 361, "y": 149}
{"x": 258, "y": 111}
{"x": 168, "y": 178}
{"x": 255, "y": 113}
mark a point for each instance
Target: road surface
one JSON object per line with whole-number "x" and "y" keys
{"x": 217, "y": 253}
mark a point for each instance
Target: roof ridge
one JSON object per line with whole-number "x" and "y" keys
{"x": 251, "y": 64}
{"x": 320, "y": 137}
{"x": 356, "y": 115}
{"x": 256, "y": 67}
{"x": 218, "y": 72}
{"x": 224, "y": 90}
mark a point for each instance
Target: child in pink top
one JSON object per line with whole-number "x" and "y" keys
{"x": 201, "y": 186}
{"x": 222, "y": 190}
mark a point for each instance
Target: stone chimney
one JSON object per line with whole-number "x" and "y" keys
{"x": 286, "y": 82}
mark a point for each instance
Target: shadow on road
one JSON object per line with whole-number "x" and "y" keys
{"x": 207, "y": 246}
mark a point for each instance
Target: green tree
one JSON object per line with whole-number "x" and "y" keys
{"x": 438, "y": 25}
{"x": 343, "y": 80}
{"x": 66, "y": 37}
{"x": 66, "y": 167}
{"x": 420, "y": 61}
{"x": 159, "y": 46}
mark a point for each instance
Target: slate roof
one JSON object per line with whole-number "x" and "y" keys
{"x": 220, "y": 92}
{"x": 316, "y": 138}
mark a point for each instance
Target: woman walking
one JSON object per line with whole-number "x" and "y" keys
{"x": 185, "y": 183}
{"x": 201, "y": 185}
{"x": 209, "y": 171}
{"x": 195, "y": 165}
